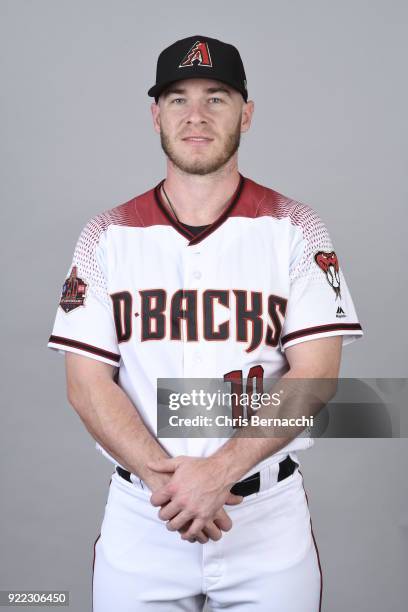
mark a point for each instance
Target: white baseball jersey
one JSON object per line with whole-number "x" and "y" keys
{"x": 145, "y": 295}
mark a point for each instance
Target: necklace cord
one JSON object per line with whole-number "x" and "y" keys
{"x": 172, "y": 207}
{"x": 170, "y": 204}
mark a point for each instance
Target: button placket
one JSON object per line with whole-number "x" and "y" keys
{"x": 192, "y": 274}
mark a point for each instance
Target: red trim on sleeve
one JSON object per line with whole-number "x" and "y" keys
{"x": 309, "y": 331}
{"x": 84, "y": 347}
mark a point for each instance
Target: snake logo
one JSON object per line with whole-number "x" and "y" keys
{"x": 329, "y": 263}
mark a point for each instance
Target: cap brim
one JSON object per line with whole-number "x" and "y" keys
{"x": 156, "y": 90}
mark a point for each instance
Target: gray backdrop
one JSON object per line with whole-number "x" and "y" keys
{"x": 329, "y": 84}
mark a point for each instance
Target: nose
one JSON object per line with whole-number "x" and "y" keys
{"x": 195, "y": 114}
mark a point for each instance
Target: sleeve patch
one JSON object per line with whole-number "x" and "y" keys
{"x": 329, "y": 263}
{"x": 73, "y": 292}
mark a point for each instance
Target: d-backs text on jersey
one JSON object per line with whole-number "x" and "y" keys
{"x": 161, "y": 316}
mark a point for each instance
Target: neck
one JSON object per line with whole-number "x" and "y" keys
{"x": 199, "y": 200}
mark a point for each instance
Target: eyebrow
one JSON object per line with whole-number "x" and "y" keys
{"x": 181, "y": 90}
{"x": 216, "y": 89}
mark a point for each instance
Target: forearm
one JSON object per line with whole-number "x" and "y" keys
{"x": 113, "y": 421}
{"x": 238, "y": 455}
{"x": 303, "y": 398}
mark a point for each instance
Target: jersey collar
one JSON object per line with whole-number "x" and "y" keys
{"x": 212, "y": 227}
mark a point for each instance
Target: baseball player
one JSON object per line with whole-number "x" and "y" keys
{"x": 207, "y": 275}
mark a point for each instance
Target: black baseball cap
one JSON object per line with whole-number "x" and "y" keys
{"x": 200, "y": 57}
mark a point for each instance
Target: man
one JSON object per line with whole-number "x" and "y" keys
{"x": 208, "y": 275}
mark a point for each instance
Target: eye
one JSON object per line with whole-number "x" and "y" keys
{"x": 217, "y": 100}
{"x": 177, "y": 100}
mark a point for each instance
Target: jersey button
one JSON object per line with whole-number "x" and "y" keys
{"x": 197, "y": 274}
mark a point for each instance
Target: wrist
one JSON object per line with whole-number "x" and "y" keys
{"x": 230, "y": 463}
{"x": 156, "y": 481}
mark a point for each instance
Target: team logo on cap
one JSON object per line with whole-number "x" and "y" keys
{"x": 199, "y": 55}
{"x": 329, "y": 263}
{"x": 73, "y": 292}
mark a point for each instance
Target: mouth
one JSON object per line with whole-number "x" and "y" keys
{"x": 197, "y": 139}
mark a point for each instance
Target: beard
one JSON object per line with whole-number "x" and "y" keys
{"x": 202, "y": 166}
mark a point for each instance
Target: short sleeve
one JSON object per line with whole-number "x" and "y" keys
{"x": 319, "y": 303}
{"x": 84, "y": 321}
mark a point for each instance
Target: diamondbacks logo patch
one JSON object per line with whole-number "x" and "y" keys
{"x": 329, "y": 263}
{"x": 73, "y": 292}
{"x": 199, "y": 55}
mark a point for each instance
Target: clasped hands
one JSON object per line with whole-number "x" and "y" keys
{"x": 193, "y": 496}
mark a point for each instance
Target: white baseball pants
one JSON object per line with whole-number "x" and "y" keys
{"x": 267, "y": 563}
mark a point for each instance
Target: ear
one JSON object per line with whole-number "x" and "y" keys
{"x": 247, "y": 112}
{"x": 155, "y": 110}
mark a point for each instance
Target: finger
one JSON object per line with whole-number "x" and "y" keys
{"x": 202, "y": 537}
{"x": 194, "y": 529}
{"x": 169, "y": 510}
{"x": 178, "y": 521}
{"x": 234, "y": 500}
{"x": 184, "y": 528}
{"x": 213, "y": 532}
{"x": 160, "y": 497}
{"x": 222, "y": 520}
